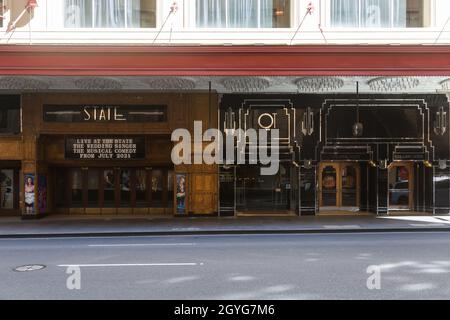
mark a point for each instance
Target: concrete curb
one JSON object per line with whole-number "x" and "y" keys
{"x": 220, "y": 232}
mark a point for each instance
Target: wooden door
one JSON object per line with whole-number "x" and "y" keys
{"x": 339, "y": 185}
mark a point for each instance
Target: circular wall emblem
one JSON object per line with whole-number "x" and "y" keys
{"x": 266, "y": 121}
{"x": 30, "y": 267}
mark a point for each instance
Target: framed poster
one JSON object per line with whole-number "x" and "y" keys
{"x": 42, "y": 193}
{"x": 29, "y": 193}
{"x": 180, "y": 195}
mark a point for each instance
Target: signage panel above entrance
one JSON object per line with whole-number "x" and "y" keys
{"x": 105, "y": 113}
{"x": 105, "y": 148}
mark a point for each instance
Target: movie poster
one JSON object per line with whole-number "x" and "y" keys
{"x": 42, "y": 193}
{"x": 181, "y": 193}
{"x": 29, "y": 193}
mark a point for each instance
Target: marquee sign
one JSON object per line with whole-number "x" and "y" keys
{"x": 105, "y": 148}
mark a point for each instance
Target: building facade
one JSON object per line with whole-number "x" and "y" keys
{"x": 231, "y": 22}
{"x": 91, "y": 91}
{"x": 397, "y": 162}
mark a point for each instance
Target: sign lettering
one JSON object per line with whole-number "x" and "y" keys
{"x": 102, "y": 114}
{"x": 105, "y": 113}
{"x": 104, "y": 148}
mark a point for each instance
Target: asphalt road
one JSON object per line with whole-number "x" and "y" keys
{"x": 322, "y": 266}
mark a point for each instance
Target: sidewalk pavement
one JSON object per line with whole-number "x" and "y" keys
{"x": 98, "y": 226}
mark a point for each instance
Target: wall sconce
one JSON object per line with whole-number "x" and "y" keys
{"x": 383, "y": 164}
{"x": 372, "y": 164}
{"x": 442, "y": 164}
{"x": 357, "y": 129}
{"x": 428, "y": 164}
{"x": 440, "y": 123}
{"x": 307, "y": 164}
{"x": 308, "y": 122}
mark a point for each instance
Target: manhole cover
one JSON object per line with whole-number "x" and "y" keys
{"x": 31, "y": 267}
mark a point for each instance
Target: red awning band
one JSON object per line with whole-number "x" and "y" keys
{"x": 88, "y": 60}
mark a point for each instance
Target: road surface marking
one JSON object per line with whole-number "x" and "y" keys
{"x": 141, "y": 244}
{"x": 427, "y": 225}
{"x": 181, "y": 264}
{"x": 342, "y": 227}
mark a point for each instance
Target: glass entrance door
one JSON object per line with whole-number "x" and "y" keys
{"x": 328, "y": 185}
{"x": 105, "y": 190}
{"x": 261, "y": 194}
{"x": 349, "y": 185}
{"x": 339, "y": 186}
{"x": 401, "y": 186}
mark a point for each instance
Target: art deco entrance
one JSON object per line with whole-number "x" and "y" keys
{"x": 259, "y": 194}
{"x": 339, "y": 186}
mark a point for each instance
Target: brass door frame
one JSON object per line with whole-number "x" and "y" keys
{"x": 410, "y": 166}
{"x": 338, "y": 166}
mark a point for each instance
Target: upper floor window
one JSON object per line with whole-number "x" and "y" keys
{"x": 2, "y": 12}
{"x": 10, "y": 114}
{"x": 243, "y": 13}
{"x": 110, "y": 14}
{"x": 380, "y": 13}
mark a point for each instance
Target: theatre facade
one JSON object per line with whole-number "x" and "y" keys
{"x": 87, "y": 131}
{"x": 102, "y": 154}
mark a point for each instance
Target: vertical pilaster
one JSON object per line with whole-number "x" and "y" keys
{"x": 29, "y": 184}
{"x": 30, "y": 158}
{"x": 382, "y": 191}
{"x": 441, "y": 185}
{"x": 308, "y": 190}
{"x": 429, "y": 195}
{"x": 198, "y": 181}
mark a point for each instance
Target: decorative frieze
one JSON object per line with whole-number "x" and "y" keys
{"x": 318, "y": 84}
{"x": 22, "y": 83}
{"x": 98, "y": 84}
{"x": 245, "y": 84}
{"x": 393, "y": 84}
{"x": 170, "y": 83}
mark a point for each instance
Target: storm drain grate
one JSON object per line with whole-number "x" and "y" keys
{"x": 29, "y": 268}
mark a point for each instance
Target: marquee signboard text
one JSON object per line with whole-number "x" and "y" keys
{"x": 105, "y": 148}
